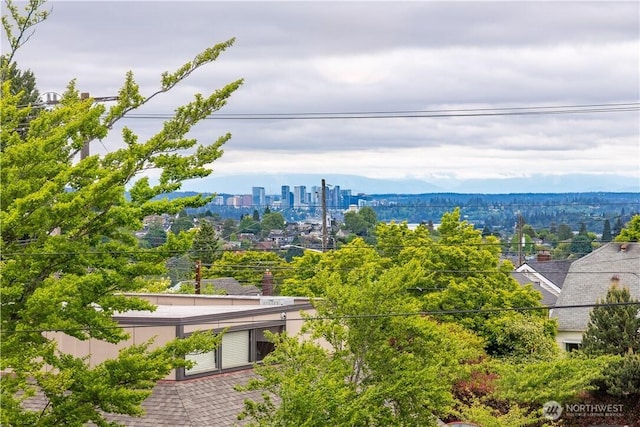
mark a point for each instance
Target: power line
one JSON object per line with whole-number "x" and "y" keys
{"x": 404, "y": 114}
{"x": 342, "y": 317}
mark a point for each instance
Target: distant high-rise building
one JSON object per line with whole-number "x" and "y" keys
{"x": 285, "y": 196}
{"x": 316, "y": 196}
{"x": 345, "y": 198}
{"x": 299, "y": 196}
{"x": 258, "y": 197}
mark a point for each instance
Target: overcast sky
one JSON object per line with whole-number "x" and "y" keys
{"x": 348, "y": 57}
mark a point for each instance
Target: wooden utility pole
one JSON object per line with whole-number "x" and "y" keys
{"x": 198, "y": 276}
{"x": 324, "y": 216}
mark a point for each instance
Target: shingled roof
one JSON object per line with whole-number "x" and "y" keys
{"x": 548, "y": 298}
{"x": 203, "y": 402}
{"x": 589, "y": 279}
{"x": 554, "y": 270}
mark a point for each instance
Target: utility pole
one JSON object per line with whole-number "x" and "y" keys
{"x": 198, "y": 276}
{"x": 324, "y": 216}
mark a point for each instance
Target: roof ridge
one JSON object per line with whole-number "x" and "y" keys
{"x": 186, "y": 411}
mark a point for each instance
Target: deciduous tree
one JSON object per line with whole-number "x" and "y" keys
{"x": 68, "y": 246}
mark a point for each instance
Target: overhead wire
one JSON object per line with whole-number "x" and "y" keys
{"x": 333, "y": 317}
{"x": 404, "y": 114}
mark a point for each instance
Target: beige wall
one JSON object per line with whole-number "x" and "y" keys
{"x": 568, "y": 337}
{"x": 99, "y": 351}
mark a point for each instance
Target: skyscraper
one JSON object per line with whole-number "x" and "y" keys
{"x": 285, "y": 195}
{"x": 258, "y": 197}
{"x": 299, "y": 195}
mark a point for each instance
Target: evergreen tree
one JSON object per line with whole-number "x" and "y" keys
{"x": 583, "y": 229}
{"x": 613, "y": 329}
{"x": 606, "y": 232}
{"x": 581, "y": 245}
{"x": 564, "y": 232}
{"x": 206, "y": 246}
{"x": 617, "y": 227}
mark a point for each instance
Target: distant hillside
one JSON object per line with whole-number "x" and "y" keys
{"x": 577, "y": 183}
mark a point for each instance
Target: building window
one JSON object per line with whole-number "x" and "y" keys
{"x": 204, "y": 362}
{"x": 238, "y": 348}
{"x": 263, "y": 345}
{"x": 571, "y": 346}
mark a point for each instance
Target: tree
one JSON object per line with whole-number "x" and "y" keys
{"x": 617, "y": 227}
{"x": 182, "y": 223}
{"x": 206, "y": 245}
{"x": 155, "y": 236}
{"x": 249, "y": 225}
{"x": 247, "y": 267}
{"x": 613, "y": 329}
{"x": 382, "y": 370}
{"x": 564, "y": 232}
{"x": 631, "y": 231}
{"x": 356, "y": 224}
{"x": 21, "y": 83}
{"x": 369, "y": 215}
{"x": 581, "y": 245}
{"x": 272, "y": 221}
{"x": 606, "y": 232}
{"x": 69, "y": 252}
{"x": 228, "y": 228}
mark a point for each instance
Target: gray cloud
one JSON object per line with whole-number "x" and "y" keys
{"x": 370, "y": 56}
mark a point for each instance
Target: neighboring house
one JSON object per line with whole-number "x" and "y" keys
{"x": 548, "y": 297}
{"x": 202, "y": 395}
{"x": 546, "y": 275}
{"x": 588, "y": 281}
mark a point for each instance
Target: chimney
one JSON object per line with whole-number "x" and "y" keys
{"x": 544, "y": 256}
{"x": 267, "y": 284}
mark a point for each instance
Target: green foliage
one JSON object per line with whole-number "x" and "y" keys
{"x": 79, "y": 394}
{"x": 355, "y": 224}
{"x": 622, "y": 377}
{"x": 249, "y": 225}
{"x": 564, "y": 232}
{"x": 182, "y": 223}
{"x": 606, "y": 232}
{"x": 155, "y": 236}
{"x": 521, "y": 337}
{"x": 247, "y": 267}
{"x": 385, "y": 369}
{"x": 272, "y": 221}
{"x": 613, "y": 329}
{"x": 69, "y": 251}
{"x": 561, "y": 379}
{"x": 483, "y": 415}
{"x": 155, "y": 286}
{"x": 206, "y": 245}
{"x": 581, "y": 245}
{"x": 631, "y": 231}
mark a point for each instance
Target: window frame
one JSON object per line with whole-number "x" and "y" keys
{"x": 182, "y": 374}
